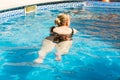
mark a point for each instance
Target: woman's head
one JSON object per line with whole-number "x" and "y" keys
{"x": 62, "y": 20}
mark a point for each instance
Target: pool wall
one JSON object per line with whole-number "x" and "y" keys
{"x": 9, "y": 4}
{"x": 20, "y": 11}
{"x": 87, "y": 5}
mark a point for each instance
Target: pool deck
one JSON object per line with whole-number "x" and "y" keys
{"x": 8, "y": 4}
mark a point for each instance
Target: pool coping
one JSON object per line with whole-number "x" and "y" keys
{"x": 19, "y": 3}
{"x": 38, "y": 4}
{"x": 8, "y": 4}
{"x": 47, "y": 2}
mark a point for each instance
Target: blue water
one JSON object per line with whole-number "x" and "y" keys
{"x": 94, "y": 55}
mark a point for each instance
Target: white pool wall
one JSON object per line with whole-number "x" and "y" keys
{"x": 8, "y": 4}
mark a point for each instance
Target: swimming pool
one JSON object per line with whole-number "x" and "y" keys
{"x": 94, "y": 55}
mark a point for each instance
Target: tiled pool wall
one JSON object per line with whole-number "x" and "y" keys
{"x": 53, "y": 6}
{"x": 88, "y": 5}
{"x": 17, "y": 12}
{"x": 11, "y": 13}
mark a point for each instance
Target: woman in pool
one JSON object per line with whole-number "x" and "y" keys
{"x": 60, "y": 38}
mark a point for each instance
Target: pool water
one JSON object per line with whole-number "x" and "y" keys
{"x": 94, "y": 55}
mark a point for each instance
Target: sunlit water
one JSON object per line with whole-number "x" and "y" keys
{"x": 94, "y": 55}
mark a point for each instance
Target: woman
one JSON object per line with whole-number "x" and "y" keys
{"x": 60, "y": 38}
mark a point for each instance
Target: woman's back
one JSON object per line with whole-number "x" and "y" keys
{"x": 64, "y": 30}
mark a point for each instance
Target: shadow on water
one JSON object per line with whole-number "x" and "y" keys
{"x": 104, "y": 27}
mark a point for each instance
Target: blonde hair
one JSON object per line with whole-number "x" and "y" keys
{"x": 62, "y": 19}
